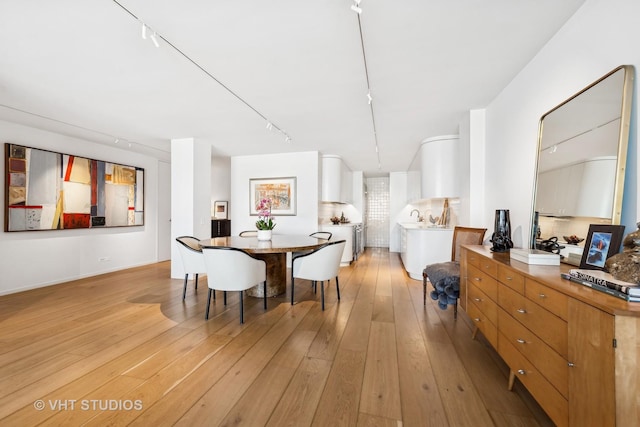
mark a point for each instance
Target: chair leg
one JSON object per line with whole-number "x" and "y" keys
{"x": 206, "y": 315}
{"x": 241, "y": 309}
{"x": 322, "y": 293}
{"x": 264, "y": 286}
{"x": 337, "y": 288}
{"x": 184, "y": 289}
{"x": 455, "y": 310}
{"x": 293, "y": 286}
{"x": 196, "y": 281}
{"x": 424, "y": 288}
{"x": 225, "y": 297}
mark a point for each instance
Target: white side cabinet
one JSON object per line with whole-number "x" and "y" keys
{"x": 342, "y": 232}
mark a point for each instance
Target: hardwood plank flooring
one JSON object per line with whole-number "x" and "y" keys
{"x": 124, "y": 349}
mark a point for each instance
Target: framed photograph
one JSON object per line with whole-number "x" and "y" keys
{"x": 281, "y": 192}
{"x": 220, "y": 209}
{"x": 602, "y": 242}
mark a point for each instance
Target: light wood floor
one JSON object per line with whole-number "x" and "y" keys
{"x": 123, "y": 348}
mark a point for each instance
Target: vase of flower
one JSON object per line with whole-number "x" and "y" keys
{"x": 265, "y": 223}
{"x": 264, "y": 234}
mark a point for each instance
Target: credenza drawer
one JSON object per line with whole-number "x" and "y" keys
{"x": 488, "y": 284}
{"x": 485, "y": 304}
{"x": 554, "y": 301}
{"x": 546, "y": 325}
{"x": 550, "y": 364}
{"x": 473, "y": 258}
{"x": 511, "y": 278}
{"x": 488, "y": 329}
{"x": 551, "y": 400}
{"x": 488, "y": 266}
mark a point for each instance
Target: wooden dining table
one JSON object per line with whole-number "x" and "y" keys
{"x": 273, "y": 252}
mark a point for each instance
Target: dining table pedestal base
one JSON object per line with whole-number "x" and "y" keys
{"x": 276, "y": 275}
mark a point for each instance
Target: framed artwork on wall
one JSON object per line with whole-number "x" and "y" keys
{"x": 46, "y": 190}
{"x": 602, "y": 242}
{"x": 280, "y": 191}
{"x": 220, "y": 209}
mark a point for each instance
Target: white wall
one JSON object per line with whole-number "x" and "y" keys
{"x": 39, "y": 258}
{"x": 304, "y": 166}
{"x": 602, "y": 35}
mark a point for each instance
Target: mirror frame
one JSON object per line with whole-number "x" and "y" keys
{"x": 623, "y": 141}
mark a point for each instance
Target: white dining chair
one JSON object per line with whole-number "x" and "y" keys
{"x": 232, "y": 269}
{"x": 248, "y": 233}
{"x": 317, "y": 266}
{"x": 192, "y": 260}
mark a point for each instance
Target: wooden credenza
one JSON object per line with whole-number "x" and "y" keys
{"x": 575, "y": 349}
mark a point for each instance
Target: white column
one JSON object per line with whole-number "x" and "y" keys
{"x": 190, "y": 194}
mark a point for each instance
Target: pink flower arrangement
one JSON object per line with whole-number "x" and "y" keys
{"x": 265, "y": 219}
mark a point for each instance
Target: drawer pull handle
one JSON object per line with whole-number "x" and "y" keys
{"x": 509, "y": 278}
{"x": 570, "y": 364}
{"x": 521, "y": 341}
{"x": 542, "y": 295}
{"x": 477, "y": 319}
{"x": 521, "y": 311}
{"x": 477, "y": 279}
{"x": 477, "y": 299}
{"x": 521, "y": 371}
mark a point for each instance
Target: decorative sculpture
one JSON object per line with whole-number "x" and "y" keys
{"x": 501, "y": 237}
{"x": 625, "y": 265}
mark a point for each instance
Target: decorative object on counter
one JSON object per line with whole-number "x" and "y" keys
{"x": 444, "y": 216}
{"x": 573, "y": 239}
{"x": 550, "y": 245}
{"x": 534, "y": 256}
{"x": 625, "y": 266}
{"x": 265, "y": 222}
{"x": 220, "y": 209}
{"x": 603, "y": 241}
{"x": 335, "y": 220}
{"x": 501, "y": 237}
{"x": 343, "y": 219}
{"x": 433, "y": 220}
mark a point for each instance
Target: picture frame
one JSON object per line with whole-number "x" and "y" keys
{"x": 50, "y": 190}
{"x": 602, "y": 242}
{"x": 221, "y": 209}
{"x": 281, "y": 191}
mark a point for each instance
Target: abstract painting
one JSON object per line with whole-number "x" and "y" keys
{"x": 46, "y": 190}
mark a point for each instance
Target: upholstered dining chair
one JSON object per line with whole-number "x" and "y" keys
{"x": 322, "y": 235}
{"x": 317, "y": 266}
{"x": 232, "y": 269}
{"x": 445, "y": 276}
{"x": 248, "y": 233}
{"x": 192, "y": 261}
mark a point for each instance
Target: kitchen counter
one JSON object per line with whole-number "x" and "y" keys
{"x": 342, "y": 231}
{"x": 424, "y": 244}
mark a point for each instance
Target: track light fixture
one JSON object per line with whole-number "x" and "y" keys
{"x": 356, "y": 9}
{"x": 369, "y": 97}
{"x": 144, "y": 31}
{"x": 154, "y": 39}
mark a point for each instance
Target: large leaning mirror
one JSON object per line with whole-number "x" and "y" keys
{"x": 582, "y": 152}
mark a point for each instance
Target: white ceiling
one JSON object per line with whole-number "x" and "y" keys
{"x": 226, "y": 67}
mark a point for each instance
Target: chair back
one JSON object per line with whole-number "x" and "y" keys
{"x": 232, "y": 269}
{"x": 191, "y": 254}
{"x": 320, "y": 264}
{"x": 249, "y": 233}
{"x": 322, "y": 235}
{"x": 465, "y": 236}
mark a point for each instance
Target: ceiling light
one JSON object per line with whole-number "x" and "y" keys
{"x": 144, "y": 31}
{"x": 154, "y": 39}
{"x": 369, "y": 97}
{"x": 357, "y": 2}
{"x": 269, "y": 126}
{"x": 116, "y": 141}
{"x": 356, "y": 9}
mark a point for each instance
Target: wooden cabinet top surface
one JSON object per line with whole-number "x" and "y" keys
{"x": 550, "y": 276}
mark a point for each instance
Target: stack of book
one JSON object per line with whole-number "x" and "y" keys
{"x": 534, "y": 256}
{"x": 604, "y": 282}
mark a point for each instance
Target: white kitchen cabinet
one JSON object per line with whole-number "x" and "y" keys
{"x": 337, "y": 180}
{"x": 342, "y": 232}
{"x": 440, "y": 167}
{"x": 423, "y": 245}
